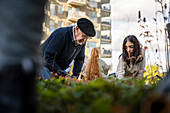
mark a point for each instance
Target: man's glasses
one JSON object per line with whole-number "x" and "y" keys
{"x": 85, "y": 36}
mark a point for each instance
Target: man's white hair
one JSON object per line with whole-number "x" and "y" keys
{"x": 74, "y": 25}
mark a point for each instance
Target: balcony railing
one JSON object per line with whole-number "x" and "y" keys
{"x": 106, "y": 22}
{"x": 77, "y": 2}
{"x": 106, "y": 37}
{"x": 105, "y": 1}
{"x": 106, "y": 8}
{"x": 75, "y": 15}
{"x": 105, "y": 27}
{"x": 106, "y": 52}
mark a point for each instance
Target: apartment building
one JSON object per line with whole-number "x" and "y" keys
{"x": 106, "y": 40}
{"x": 62, "y": 13}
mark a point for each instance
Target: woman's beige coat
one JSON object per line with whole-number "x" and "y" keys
{"x": 125, "y": 71}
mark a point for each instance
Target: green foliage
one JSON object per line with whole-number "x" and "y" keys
{"x": 65, "y": 95}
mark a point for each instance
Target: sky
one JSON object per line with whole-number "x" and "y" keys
{"x": 124, "y": 16}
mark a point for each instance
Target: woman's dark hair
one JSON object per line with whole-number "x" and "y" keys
{"x": 136, "y": 49}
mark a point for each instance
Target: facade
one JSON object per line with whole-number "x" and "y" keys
{"x": 106, "y": 42}
{"x": 62, "y": 13}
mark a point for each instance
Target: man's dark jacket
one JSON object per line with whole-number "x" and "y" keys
{"x": 60, "y": 49}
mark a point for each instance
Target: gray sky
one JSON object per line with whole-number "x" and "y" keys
{"x": 124, "y": 15}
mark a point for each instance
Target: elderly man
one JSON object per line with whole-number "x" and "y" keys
{"x": 64, "y": 45}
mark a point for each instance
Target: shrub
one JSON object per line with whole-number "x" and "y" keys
{"x": 65, "y": 95}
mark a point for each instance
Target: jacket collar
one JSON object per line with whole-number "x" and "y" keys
{"x": 73, "y": 36}
{"x": 71, "y": 31}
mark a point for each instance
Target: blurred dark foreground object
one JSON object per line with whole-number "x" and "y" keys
{"x": 159, "y": 101}
{"x": 20, "y": 35}
{"x": 17, "y": 90}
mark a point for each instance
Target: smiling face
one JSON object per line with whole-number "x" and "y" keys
{"x": 80, "y": 37}
{"x": 129, "y": 48}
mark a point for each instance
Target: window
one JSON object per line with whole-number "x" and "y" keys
{"x": 59, "y": 24}
{"x": 106, "y": 6}
{"x": 103, "y": 42}
{"x": 93, "y": 16}
{"x": 69, "y": 24}
{"x": 96, "y": 36}
{"x": 106, "y": 51}
{"x": 52, "y": 25}
{"x": 52, "y": 9}
{"x": 93, "y": 3}
{"x": 77, "y": 9}
{"x": 69, "y": 8}
{"x": 105, "y": 34}
{"x": 92, "y": 45}
{"x": 60, "y": 9}
{"x": 106, "y": 20}
{"x": 105, "y": 15}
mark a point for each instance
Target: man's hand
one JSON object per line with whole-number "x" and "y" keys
{"x": 54, "y": 74}
{"x": 72, "y": 76}
{"x": 68, "y": 75}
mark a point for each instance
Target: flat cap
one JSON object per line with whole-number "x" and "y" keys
{"x": 86, "y": 26}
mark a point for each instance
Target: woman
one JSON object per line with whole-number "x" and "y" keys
{"x": 131, "y": 61}
{"x": 94, "y": 67}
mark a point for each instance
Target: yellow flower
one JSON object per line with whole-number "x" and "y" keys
{"x": 152, "y": 74}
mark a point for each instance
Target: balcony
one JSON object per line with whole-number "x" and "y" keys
{"x": 105, "y": 27}
{"x": 106, "y": 20}
{"x": 105, "y": 14}
{"x": 77, "y": 2}
{"x": 106, "y": 53}
{"x": 105, "y": 37}
{"x": 75, "y": 15}
{"x": 106, "y": 23}
{"x": 106, "y": 7}
{"x": 105, "y": 1}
